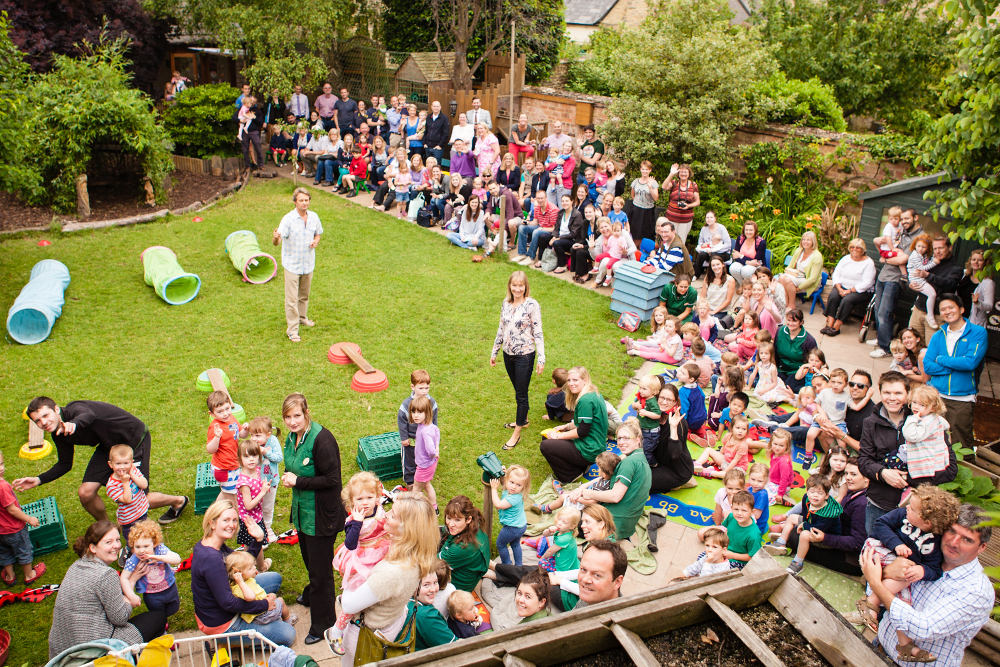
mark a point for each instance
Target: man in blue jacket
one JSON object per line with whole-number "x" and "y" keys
{"x": 952, "y": 356}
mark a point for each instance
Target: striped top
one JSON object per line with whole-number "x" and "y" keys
{"x": 132, "y": 511}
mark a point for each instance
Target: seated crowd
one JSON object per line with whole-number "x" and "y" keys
{"x": 874, "y": 453}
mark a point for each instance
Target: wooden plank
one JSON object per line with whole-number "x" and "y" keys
{"x": 746, "y": 634}
{"x": 634, "y": 646}
{"x": 218, "y": 384}
{"x": 826, "y": 630}
{"x": 510, "y": 660}
{"x": 358, "y": 360}
{"x": 36, "y": 436}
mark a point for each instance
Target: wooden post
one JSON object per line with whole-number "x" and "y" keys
{"x": 82, "y": 197}
{"x": 510, "y": 107}
{"x": 488, "y": 510}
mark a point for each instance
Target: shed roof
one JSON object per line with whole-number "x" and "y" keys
{"x": 435, "y": 66}
{"x": 588, "y": 12}
{"x": 933, "y": 181}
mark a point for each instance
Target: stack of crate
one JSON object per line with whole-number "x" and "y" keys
{"x": 206, "y": 489}
{"x": 381, "y": 454}
{"x": 50, "y": 535}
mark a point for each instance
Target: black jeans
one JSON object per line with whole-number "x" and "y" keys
{"x": 320, "y": 592}
{"x": 519, "y": 371}
{"x": 563, "y": 246}
{"x": 565, "y": 459}
{"x": 257, "y": 159}
{"x": 840, "y": 307}
{"x": 150, "y": 624}
{"x": 582, "y": 261}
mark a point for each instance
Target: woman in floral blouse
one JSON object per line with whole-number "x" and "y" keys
{"x": 520, "y": 336}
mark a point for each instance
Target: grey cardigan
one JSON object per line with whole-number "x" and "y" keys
{"x": 90, "y": 605}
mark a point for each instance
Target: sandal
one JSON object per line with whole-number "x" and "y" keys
{"x": 557, "y": 485}
{"x": 294, "y": 338}
{"x": 921, "y": 654}
{"x": 868, "y": 613}
{"x": 514, "y": 425}
{"x": 507, "y": 446}
{"x": 39, "y": 571}
{"x": 560, "y": 269}
{"x": 9, "y": 579}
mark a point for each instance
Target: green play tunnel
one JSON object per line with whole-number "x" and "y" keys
{"x": 166, "y": 277}
{"x": 244, "y": 252}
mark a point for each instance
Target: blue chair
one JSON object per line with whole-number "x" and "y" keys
{"x": 817, "y": 296}
{"x": 646, "y": 247}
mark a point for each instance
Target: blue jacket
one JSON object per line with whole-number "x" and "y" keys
{"x": 953, "y": 374}
{"x": 692, "y": 401}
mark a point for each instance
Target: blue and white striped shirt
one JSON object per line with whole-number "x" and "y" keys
{"x": 944, "y": 616}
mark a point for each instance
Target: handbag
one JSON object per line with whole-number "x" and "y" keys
{"x": 414, "y": 207}
{"x": 629, "y": 321}
{"x": 549, "y": 260}
{"x": 373, "y": 647}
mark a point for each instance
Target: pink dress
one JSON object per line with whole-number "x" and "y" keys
{"x": 373, "y": 545}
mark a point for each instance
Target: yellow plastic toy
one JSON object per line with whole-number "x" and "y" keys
{"x": 37, "y": 446}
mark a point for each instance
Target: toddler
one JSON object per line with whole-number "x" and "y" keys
{"x": 657, "y": 332}
{"x": 510, "y": 510}
{"x": 265, "y": 436}
{"x": 427, "y": 444}
{"x": 15, "y": 545}
{"x": 832, "y": 402}
{"x": 757, "y": 476}
{"x": 770, "y": 388}
{"x": 401, "y": 181}
{"x": 744, "y": 536}
{"x": 704, "y": 364}
{"x": 617, "y": 213}
{"x": 615, "y": 246}
{"x": 901, "y": 361}
{"x": 888, "y": 242}
{"x": 242, "y": 569}
{"x": 744, "y": 343}
{"x": 668, "y": 348}
{"x": 607, "y": 463}
{"x": 648, "y": 411}
{"x": 921, "y": 259}
{"x": 222, "y": 435}
{"x": 820, "y": 512}
{"x": 735, "y": 452}
{"x": 158, "y": 585}
{"x": 815, "y": 363}
{"x": 781, "y": 476}
{"x": 477, "y": 188}
{"x": 708, "y": 324}
{"x": 832, "y": 467}
{"x": 127, "y": 488}
{"x": 713, "y": 560}
{"x": 737, "y": 407}
{"x": 911, "y": 533}
{"x": 420, "y": 385}
{"x": 925, "y": 451}
{"x": 250, "y": 492}
{"x": 464, "y": 617}
{"x": 692, "y": 404}
{"x": 555, "y": 400}
{"x": 728, "y": 382}
{"x": 366, "y": 543}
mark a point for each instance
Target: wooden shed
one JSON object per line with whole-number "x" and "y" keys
{"x": 420, "y": 71}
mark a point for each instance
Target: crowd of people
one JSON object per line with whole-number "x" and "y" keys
{"x": 876, "y": 450}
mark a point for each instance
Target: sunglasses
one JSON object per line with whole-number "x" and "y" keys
{"x": 858, "y": 385}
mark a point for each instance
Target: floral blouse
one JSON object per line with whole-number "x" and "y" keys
{"x": 520, "y": 330}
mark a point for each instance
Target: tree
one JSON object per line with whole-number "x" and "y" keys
{"x": 43, "y": 28}
{"x": 682, "y": 81}
{"x": 282, "y": 43}
{"x": 965, "y": 141}
{"x": 883, "y": 58}
{"x": 16, "y": 175}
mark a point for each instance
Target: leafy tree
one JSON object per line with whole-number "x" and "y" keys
{"x": 16, "y": 175}
{"x": 283, "y": 43}
{"x": 965, "y": 142}
{"x": 882, "y": 57}
{"x": 809, "y": 103}
{"x": 200, "y": 122}
{"x": 43, "y": 28}
{"x": 682, "y": 83}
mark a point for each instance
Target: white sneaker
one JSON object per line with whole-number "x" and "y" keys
{"x": 526, "y": 261}
{"x": 872, "y": 341}
{"x": 517, "y": 258}
{"x": 878, "y": 353}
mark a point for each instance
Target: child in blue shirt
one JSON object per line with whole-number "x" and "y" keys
{"x": 757, "y": 488}
{"x": 510, "y": 506}
{"x": 692, "y": 398}
{"x": 617, "y": 214}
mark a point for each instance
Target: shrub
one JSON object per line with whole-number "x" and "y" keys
{"x": 201, "y": 121}
{"x": 811, "y": 103}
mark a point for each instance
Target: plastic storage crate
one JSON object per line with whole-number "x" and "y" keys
{"x": 50, "y": 535}
{"x": 381, "y": 454}
{"x": 206, "y": 489}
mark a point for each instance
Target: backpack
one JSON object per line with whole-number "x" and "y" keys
{"x": 424, "y": 217}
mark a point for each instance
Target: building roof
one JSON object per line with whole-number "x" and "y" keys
{"x": 932, "y": 181}
{"x": 588, "y": 12}
{"x": 435, "y": 66}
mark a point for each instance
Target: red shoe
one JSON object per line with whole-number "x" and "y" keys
{"x": 39, "y": 571}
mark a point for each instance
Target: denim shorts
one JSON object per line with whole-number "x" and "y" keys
{"x": 16, "y": 549}
{"x": 403, "y": 196}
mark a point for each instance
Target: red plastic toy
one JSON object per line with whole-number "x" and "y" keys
{"x": 367, "y": 379}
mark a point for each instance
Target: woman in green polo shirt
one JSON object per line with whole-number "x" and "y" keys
{"x": 626, "y": 499}
{"x": 577, "y": 444}
{"x": 678, "y": 298}
{"x": 312, "y": 472}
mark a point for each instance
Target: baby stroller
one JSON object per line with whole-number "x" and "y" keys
{"x": 867, "y": 320}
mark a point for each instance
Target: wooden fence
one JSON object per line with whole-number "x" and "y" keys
{"x": 228, "y": 167}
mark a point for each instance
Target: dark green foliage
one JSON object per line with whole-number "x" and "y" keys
{"x": 201, "y": 122}
{"x": 883, "y": 58}
{"x": 16, "y": 174}
{"x": 810, "y": 103}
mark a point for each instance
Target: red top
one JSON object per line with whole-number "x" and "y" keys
{"x": 546, "y": 219}
{"x": 675, "y": 213}
{"x": 8, "y": 524}
{"x": 226, "y": 457}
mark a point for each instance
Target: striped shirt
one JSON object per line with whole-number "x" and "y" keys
{"x": 131, "y": 511}
{"x": 665, "y": 258}
{"x": 296, "y": 255}
{"x": 944, "y": 615}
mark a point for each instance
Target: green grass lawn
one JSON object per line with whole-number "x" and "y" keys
{"x": 404, "y": 294}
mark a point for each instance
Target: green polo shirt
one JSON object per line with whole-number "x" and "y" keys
{"x": 591, "y": 409}
{"x": 468, "y": 561}
{"x": 790, "y": 353}
{"x": 677, "y": 303}
{"x": 633, "y": 471}
{"x": 742, "y": 539}
{"x": 299, "y": 461}
{"x": 432, "y": 629}
{"x": 566, "y": 558}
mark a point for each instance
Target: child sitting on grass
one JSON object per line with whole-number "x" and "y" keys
{"x": 833, "y": 467}
{"x": 781, "y": 475}
{"x": 730, "y": 381}
{"x": 15, "y": 545}
{"x": 744, "y": 342}
{"x": 744, "y": 536}
{"x": 242, "y": 568}
{"x": 561, "y": 547}
{"x": 713, "y": 560}
{"x": 769, "y": 387}
{"x": 692, "y": 405}
{"x": 735, "y": 452}
{"x": 704, "y": 363}
{"x": 606, "y": 462}
{"x": 757, "y": 476}
{"x": 158, "y": 586}
{"x": 909, "y": 536}
{"x": 555, "y": 400}
{"x": 821, "y": 512}
{"x": 464, "y": 618}
{"x": 665, "y": 345}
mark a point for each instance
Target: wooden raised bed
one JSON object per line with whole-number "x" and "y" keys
{"x": 623, "y": 623}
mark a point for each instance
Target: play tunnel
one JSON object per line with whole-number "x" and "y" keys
{"x": 39, "y": 304}
{"x": 167, "y": 278}
{"x": 256, "y": 266}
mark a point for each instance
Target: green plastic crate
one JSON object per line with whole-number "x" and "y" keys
{"x": 381, "y": 454}
{"x": 206, "y": 489}
{"x": 50, "y": 535}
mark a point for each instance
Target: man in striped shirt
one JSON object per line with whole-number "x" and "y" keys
{"x": 944, "y": 615}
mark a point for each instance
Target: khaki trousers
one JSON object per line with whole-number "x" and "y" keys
{"x": 918, "y": 322}
{"x": 296, "y": 299}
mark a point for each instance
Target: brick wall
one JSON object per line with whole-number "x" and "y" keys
{"x": 574, "y": 109}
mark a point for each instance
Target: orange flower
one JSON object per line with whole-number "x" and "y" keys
{"x": 770, "y": 180}
{"x": 732, "y": 216}
{"x": 777, "y": 211}
{"x": 809, "y": 225}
